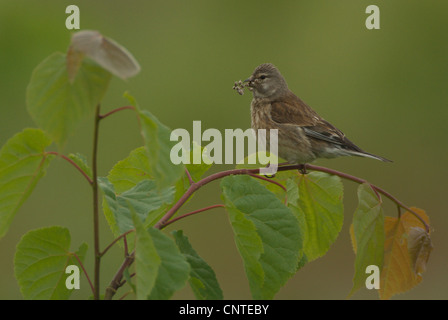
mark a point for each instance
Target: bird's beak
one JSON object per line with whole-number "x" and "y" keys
{"x": 249, "y": 80}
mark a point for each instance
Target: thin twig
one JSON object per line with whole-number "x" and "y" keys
{"x": 191, "y": 213}
{"x": 272, "y": 181}
{"x": 85, "y": 272}
{"x": 102, "y": 116}
{"x": 115, "y": 241}
{"x": 359, "y": 180}
{"x": 125, "y": 241}
{"x": 96, "y": 224}
{"x": 189, "y": 176}
{"x": 116, "y": 281}
{"x": 73, "y": 164}
{"x": 125, "y": 295}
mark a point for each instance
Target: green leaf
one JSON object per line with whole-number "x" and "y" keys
{"x": 56, "y": 104}
{"x": 148, "y": 202}
{"x": 158, "y": 144}
{"x": 196, "y": 172}
{"x": 23, "y": 162}
{"x": 125, "y": 175}
{"x": 316, "y": 200}
{"x": 147, "y": 260}
{"x": 281, "y": 177}
{"x": 174, "y": 270}
{"x": 267, "y": 234}
{"x": 368, "y": 228}
{"x": 202, "y": 280}
{"x": 128, "y": 172}
{"x": 40, "y": 261}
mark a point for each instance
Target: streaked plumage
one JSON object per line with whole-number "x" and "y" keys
{"x": 303, "y": 136}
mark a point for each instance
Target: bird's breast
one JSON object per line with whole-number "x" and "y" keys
{"x": 261, "y": 114}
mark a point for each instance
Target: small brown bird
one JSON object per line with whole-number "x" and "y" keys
{"x": 303, "y": 136}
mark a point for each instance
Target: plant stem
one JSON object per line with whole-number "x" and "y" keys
{"x": 191, "y": 213}
{"x": 359, "y": 180}
{"x": 116, "y": 281}
{"x": 73, "y": 164}
{"x": 189, "y": 176}
{"x": 85, "y": 272}
{"x": 195, "y": 186}
{"x": 96, "y": 229}
{"x": 102, "y": 116}
{"x": 165, "y": 220}
{"x": 272, "y": 181}
{"x": 115, "y": 241}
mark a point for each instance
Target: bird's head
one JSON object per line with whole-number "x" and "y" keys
{"x": 267, "y": 82}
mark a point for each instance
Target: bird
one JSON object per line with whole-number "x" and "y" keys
{"x": 303, "y": 135}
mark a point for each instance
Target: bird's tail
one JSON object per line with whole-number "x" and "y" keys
{"x": 369, "y": 155}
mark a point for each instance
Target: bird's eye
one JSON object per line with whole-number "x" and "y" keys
{"x": 262, "y": 77}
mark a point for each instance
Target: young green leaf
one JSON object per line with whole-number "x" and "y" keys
{"x": 174, "y": 270}
{"x": 40, "y": 261}
{"x": 158, "y": 144}
{"x": 202, "y": 279}
{"x": 147, "y": 260}
{"x": 58, "y": 105}
{"x": 23, "y": 162}
{"x": 148, "y": 202}
{"x": 368, "y": 234}
{"x": 161, "y": 268}
{"x": 267, "y": 234}
{"x": 128, "y": 172}
{"x": 316, "y": 200}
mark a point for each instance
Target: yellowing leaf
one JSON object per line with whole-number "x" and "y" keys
{"x": 397, "y": 274}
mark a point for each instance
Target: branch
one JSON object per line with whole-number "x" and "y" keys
{"x": 85, "y": 272}
{"x": 102, "y": 116}
{"x": 195, "y": 186}
{"x": 271, "y": 181}
{"x": 359, "y": 180}
{"x": 115, "y": 241}
{"x": 96, "y": 224}
{"x": 191, "y": 213}
{"x": 116, "y": 281}
{"x": 73, "y": 164}
{"x": 165, "y": 220}
{"x": 189, "y": 176}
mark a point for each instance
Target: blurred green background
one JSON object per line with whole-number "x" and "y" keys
{"x": 386, "y": 89}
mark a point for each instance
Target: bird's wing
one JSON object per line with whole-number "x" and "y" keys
{"x": 292, "y": 110}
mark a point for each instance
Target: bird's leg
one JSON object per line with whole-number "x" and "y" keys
{"x": 273, "y": 175}
{"x": 302, "y": 170}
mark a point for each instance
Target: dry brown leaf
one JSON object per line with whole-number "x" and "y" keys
{"x": 106, "y": 52}
{"x": 420, "y": 247}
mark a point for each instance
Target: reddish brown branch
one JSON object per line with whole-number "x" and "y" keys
{"x": 73, "y": 164}
{"x": 165, "y": 220}
{"x": 102, "y": 116}
{"x": 191, "y": 213}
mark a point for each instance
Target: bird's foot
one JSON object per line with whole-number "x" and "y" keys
{"x": 302, "y": 169}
